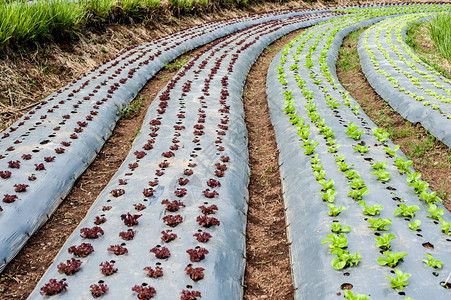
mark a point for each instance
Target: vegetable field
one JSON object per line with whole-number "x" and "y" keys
{"x": 171, "y": 223}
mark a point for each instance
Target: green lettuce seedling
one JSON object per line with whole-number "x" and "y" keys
{"x": 415, "y": 226}
{"x": 381, "y": 165}
{"x": 350, "y": 296}
{"x": 445, "y": 227}
{"x": 383, "y": 241}
{"x": 435, "y": 213}
{"x": 391, "y": 152}
{"x": 329, "y": 195}
{"x": 400, "y": 281}
{"x": 381, "y": 175}
{"x": 432, "y": 262}
{"x": 353, "y": 131}
{"x": 358, "y": 194}
{"x": 371, "y": 210}
{"x": 335, "y": 241}
{"x": 327, "y": 185}
{"x": 406, "y": 211}
{"x": 335, "y": 211}
{"x": 336, "y": 227}
{"x": 381, "y": 134}
{"x": 379, "y": 224}
{"x": 361, "y": 148}
{"x": 430, "y": 198}
{"x": 402, "y": 165}
{"x": 392, "y": 259}
{"x": 344, "y": 259}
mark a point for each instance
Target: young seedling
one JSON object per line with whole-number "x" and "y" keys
{"x": 335, "y": 241}
{"x": 336, "y": 227}
{"x": 329, "y": 195}
{"x": 371, "y": 210}
{"x": 381, "y": 134}
{"x": 445, "y": 227}
{"x": 432, "y": 262}
{"x": 344, "y": 259}
{"x": 419, "y": 186}
{"x": 435, "y": 213}
{"x": 383, "y": 241}
{"x": 335, "y": 211}
{"x": 406, "y": 211}
{"x": 381, "y": 165}
{"x": 350, "y": 296}
{"x": 343, "y": 166}
{"x": 391, "y": 152}
{"x": 415, "y": 226}
{"x": 392, "y": 259}
{"x": 353, "y": 131}
{"x": 357, "y": 183}
{"x": 379, "y": 224}
{"x": 400, "y": 281}
{"x": 430, "y": 198}
{"x": 382, "y": 175}
{"x": 402, "y": 165}
{"x": 327, "y": 185}
{"x": 360, "y": 148}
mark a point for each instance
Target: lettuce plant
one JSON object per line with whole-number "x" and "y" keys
{"x": 445, "y": 227}
{"x": 82, "y": 250}
{"x": 161, "y": 252}
{"x": 402, "y": 165}
{"x": 432, "y": 262}
{"x": 336, "y": 227}
{"x": 144, "y": 292}
{"x": 382, "y": 175}
{"x": 206, "y": 221}
{"x": 391, "y": 152}
{"x": 360, "y": 148}
{"x": 435, "y": 213}
{"x": 329, "y": 195}
{"x": 430, "y": 197}
{"x": 158, "y": 272}
{"x": 107, "y": 268}
{"x": 195, "y": 273}
{"x": 379, "y": 224}
{"x": 344, "y": 259}
{"x": 335, "y": 211}
{"x": 54, "y": 287}
{"x": 118, "y": 249}
{"x": 353, "y": 131}
{"x": 197, "y": 254}
{"x": 392, "y": 259}
{"x": 97, "y": 290}
{"x": 173, "y": 220}
{"x": 383, "y": 241}
{"x": 371, "y": 210}
{"x": 415, "y": 226}
{"x": 167, "y": 236}
{"x": 350, "y": 296}
{"x": 335, "y": 241}
{"x": 357, "y": 194}
{"x": 406, "y": 211}
{"x": 400, "y": 281}
{"x": 202, "y": 237}
{"x": 70, "y": 267}
{"x": 381, "y": 134}
{"x": 190, "y": 295}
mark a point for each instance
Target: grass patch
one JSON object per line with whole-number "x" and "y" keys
{"x": 440, "y": 31}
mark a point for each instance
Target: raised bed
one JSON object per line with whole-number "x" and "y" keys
{"x": 346, "y": 159}
{"x": 184, "y": 185}
{"x": 44, "y": 152}
{"x": 414, "y": 89}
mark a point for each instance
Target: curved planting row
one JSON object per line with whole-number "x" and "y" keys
{"x": 44, "y": 152}
{"x": 364, "y": 219}
{"x": 410, "y": 86}
{"x": 171, "y": 223}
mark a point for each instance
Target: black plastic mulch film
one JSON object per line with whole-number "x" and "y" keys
{"x": 307, "y": 214}
{"x": 44, "y": 152}
{"x": 192, "y": 149}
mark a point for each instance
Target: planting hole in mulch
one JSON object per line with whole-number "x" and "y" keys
{"x": 346, "y": 286}
{"x": 428, "y": 245}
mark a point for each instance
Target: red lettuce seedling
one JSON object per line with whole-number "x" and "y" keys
{"x": 97, "y": 290}
{"x": 20, "y": 188}
{"x": 221, "y": 167}
{"x": 164, "y": 164}
{"x": 26, "y": 156}
{"x": 219, "y": 173}
{"x": 127, "y": 235}
{"x": 148, "y": 192}
{"x": 190, "y": 295}
{"x": 168, "y": 154}
{"x": 81, "y": 251}
{"x": 117, "y": 192}
{"x": 60, "y": 150}
{"x": 161, "y": 253}
{"x": 132, "y": 166}
{"x": 172, "y": 206}
{"x": 210, "y": 194}
{"x": 183, "y": 181}
{"x": 5, "y": 174}
{"x": 213, "y": 183}
{"x": 70, "y": 267}
{"x": 107, "y": 268}
{"x": 208, "y": 210}
{"x": 91, "y": 233}
{"x": 159, "y": 173}
{"x": 202, "y": 237}
{"x": 172, "y": 220}
{"x": 99, "y": 220}
{"x": 158, "y": 272}
{"x": 139, "y": 206}
{"x": 32, "y": 177}
{"x": 168, "y": 237}
{"x": 180, "y": 192}
{"x": 153, "y": 183}
{"x": 139, "y": 154}
{"x": 49, "y": 158}
{"x": 105, "y": 208}
{"x": 118, "y": 249}
{"x": 225, "y": 158}
{"x": 195, "y": 273}
{"x": 9, "y": 198}
{"x": 39, "y": 167}
{"x": 129, "y": 219}
{"x": 207, "y": 221}
{"x": 198, "y": 254}
{"x": 122, "y": 182}
{"x": 53, "y": 287}
{"x": 144, "y": 293}
{"x": 14, "y": 164}
{"x": 188, "y": 172}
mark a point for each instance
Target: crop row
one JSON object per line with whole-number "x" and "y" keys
{"x": 171, "y": 223}
{"x": 418, "y": 92}
{"x": 44, "y": 152}
{"x": 360, "y": 195}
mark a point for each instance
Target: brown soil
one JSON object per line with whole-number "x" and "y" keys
{"x": 430, "y": 156}
{"x": 21, "y": 275}
{"x": 268, "y": 267}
